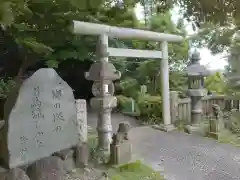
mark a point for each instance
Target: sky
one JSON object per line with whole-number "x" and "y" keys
{"x": 213, "y": 62}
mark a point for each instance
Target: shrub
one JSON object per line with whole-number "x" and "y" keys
{"x": 121, "y": 101}
{"x": 125, "y": 106}
{"x": 150, "y": 108}
{"x": 5, "y": 87}
{"x": 129, "y": 87}
{"x": 234, "y": 122}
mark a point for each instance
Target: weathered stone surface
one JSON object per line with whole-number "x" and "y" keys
{"x": 64, "y": 154}
{"x": 216, "y": 125}
{"x": 120, "y": 148}
{"x": 121, "y": 153}
{"x": 50, "y": 168}
{"x": 81, "y": 106}
{"x": 40, "y": 119}
{"x": 82, "y": 155}
{"x": 14, "y": 174}
{"x": 106, "y": 70}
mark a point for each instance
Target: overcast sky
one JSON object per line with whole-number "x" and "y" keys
{"x": 213, "y": 62}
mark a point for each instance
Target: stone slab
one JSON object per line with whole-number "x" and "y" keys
{"x": 50, "y": 168}
{"x": 194, "y": 129}
{"x": 40, "y": 119}
{"x": 82, "y": 155}
{"x": 82, "y": 127}
{"x": 121, "y": 153}
{"x": 165, "y": 128}
{"x": 14, "y": 174}
{"x": 213, "y": 135}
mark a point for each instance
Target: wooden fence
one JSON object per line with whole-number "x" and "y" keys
{"x": 225, "y": 102}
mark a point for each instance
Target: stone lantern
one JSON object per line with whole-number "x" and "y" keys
{"x": 196, "y": 74}
{"x": 103, "y": 74}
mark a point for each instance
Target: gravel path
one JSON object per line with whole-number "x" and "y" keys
{"x": 186, "y": 157}
{"x": 179, "y": 155}
{"x": 116, "y": 119}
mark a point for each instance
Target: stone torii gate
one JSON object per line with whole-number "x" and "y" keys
{"x": 103, "y": 72}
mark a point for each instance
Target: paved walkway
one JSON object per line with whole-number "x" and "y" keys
{"x": 179, "y": 155}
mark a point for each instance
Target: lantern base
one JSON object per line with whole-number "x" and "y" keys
{"x": 213, "y": 135}
{"x": 193, "y": 129}
{"x": 165, "y": 128}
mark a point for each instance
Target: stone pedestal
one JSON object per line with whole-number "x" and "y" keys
{"x": 121, "y": 153}
{"x": 216, "y": 124}
{"x": 174, "y": 106}
{"x": 165, "y": 128}
{"x": 193, "y": 129}
{"x": 213, "y": 129}
{"x": 196, "y": 110}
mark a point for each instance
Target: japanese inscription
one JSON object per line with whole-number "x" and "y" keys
{"x": 58, "y": 114}
{"x": 36, "y": 104}
{"x": 43, "y": 116}
{"x": 57, "y": 93}
{"x": 23, "y": 148}
{"x": 37, "y": 115}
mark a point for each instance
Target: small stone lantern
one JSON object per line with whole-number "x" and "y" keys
{"x": 196, "y": 74}
{"x": 103, "y": 73}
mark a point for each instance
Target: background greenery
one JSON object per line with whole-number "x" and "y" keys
{"x": 41, "y": 31}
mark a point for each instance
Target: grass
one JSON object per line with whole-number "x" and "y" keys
{"x": 228, "y": 137}
{"x": 225, "y": 136}
{"x": 134, "y": 171}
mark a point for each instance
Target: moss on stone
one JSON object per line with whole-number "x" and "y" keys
{"x": 134, "y": 171}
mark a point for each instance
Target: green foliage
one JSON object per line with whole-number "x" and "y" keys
{"x": 122, "y": 100}
{"x": 43, "y": 26}
{"x": 129, "y": 87}
{"x": 215, "y": 83}
{"x": 150, "y": 108}
{"x": 233, "y": 70}
{"x": 148, "y": 73}
{"x": 125, "y": 105}
{"x": 134, "y": 171}
{"x": 227, "y": 136}
{"x": 234, "y": 123}
{"x": 214, "y": 11}
{"x": 5, "y": 87}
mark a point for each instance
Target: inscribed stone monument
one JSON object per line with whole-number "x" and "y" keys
{"x": 40, "y": 119}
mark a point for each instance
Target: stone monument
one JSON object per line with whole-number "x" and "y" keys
{"x": 82, "y": 151}
{"x": 216, "y": 124}
{"x": 103, "y": 73}
{"x": 143, "y": 90}
{"x": 196, "y": 91}
{"x": 121, "y": 148}
{"x": 81, "y": 106}
{"x": 40, "y": 119}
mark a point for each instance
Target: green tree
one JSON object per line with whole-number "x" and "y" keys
{"x": 148, "y": 72}
{"x": 215, "y": 83}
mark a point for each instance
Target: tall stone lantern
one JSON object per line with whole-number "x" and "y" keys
{"x": 196, "y": 74}
{"x": 103, "y": 74}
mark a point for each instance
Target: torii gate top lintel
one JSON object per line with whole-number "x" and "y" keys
{"x": 79, "y": 27}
